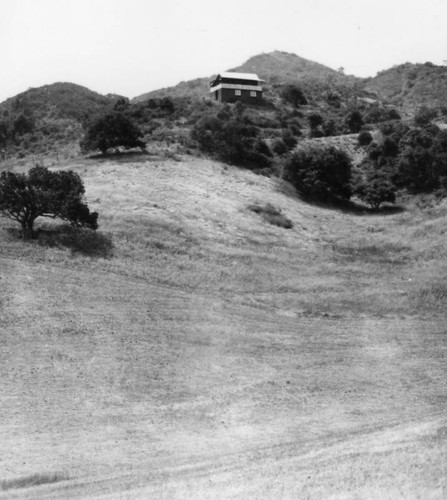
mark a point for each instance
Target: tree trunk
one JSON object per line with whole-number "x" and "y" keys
{"x": 27, "y": 230}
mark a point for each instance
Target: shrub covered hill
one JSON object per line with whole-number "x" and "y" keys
{"x": 411, "y": 85}
{"x": 48, "y": 118}
{"x": 275, "y": 68}
{"x": 407, "y": 86}
{"x": 302, "y": 99}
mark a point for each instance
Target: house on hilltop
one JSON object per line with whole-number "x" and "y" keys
{"x": 232, "y": 87}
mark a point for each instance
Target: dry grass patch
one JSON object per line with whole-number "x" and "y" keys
{"x": 385, "y": 252}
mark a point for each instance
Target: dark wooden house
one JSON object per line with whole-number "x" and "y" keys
{"x": 232, "y": 87}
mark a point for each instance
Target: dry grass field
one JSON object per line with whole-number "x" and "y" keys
{"x": 192, "y": 350}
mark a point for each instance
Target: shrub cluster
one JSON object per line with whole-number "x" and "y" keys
{"x": 320, "y": 173}
{"x": 232, "y": 138}
{"x": 112, "y": 130}
{"x": 410, "y": 158}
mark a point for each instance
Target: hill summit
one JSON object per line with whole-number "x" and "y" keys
{"x": 275, "y": 67}
{"x": 48, "y": 118}
{"x": 280, "y": 67}
{"x": 60, "y": 100}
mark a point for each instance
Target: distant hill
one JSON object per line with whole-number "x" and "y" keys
{"x": 48, "y": 118}
{"x": 407, "y": 86}
{"x": 411, "y": 85}
{"x": 58, "y": 100}
{"x": 274, "y": 67}
{"x": 193, "y": 88}
{"x": 281, "y": 67}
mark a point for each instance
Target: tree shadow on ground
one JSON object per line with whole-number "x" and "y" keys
{"x": 78, "y": 240}
{"x": 346, "y": 206}
{"x": 124, "y": 156}
{"x": 355, "y": 208}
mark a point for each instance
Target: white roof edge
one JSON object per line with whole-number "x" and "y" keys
{"x": 240, "y": 76}
{"x": 257, "y": 88}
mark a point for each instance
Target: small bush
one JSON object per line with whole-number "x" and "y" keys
{"x": 262, "y": 148}
{"x": 365, "y": 138}
{"x": 289, "y": 139}
{"x": 294, "y": 95}
{"x": 279, "y": 147}
{"x": 354, "y": 121}
{"x": 272, "y": 215}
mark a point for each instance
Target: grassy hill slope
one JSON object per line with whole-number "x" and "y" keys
{"x": 193, "y": 350}
{"x": 412, "y": 85}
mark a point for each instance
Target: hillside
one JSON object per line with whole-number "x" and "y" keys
{"x": 281, "y": 67}
{"x": 274, "y": 67}
{"x": 406, "y": 86}
{"x": 48, "y": 118}
{"x": 197, "y": 88}
{"x": 411, "y": 85}
{"x": 192, "y": 350}
{"x": 57, "y": 101}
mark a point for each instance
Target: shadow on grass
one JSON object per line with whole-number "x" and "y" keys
{"x": 79, "y": 241}
{"x": 354, "y": 208}
{"x": 271, "y": 215}
{"x": 125, "y": 156}
{"x": 347, "y": 206}
{"x": 34, "y": 480}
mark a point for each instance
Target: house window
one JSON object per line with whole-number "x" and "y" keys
{"x": 238, "y": 92}
{"x": 252, "y": 93}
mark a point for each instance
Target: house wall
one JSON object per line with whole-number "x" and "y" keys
{"x": 229, "y": 95}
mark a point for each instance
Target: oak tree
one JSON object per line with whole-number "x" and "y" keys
{"x": 42, "y": 193}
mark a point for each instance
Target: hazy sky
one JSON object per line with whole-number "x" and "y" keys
{"x": 133, "y": 46}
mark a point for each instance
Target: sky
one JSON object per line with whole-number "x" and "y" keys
{"x": 130, "y": 47}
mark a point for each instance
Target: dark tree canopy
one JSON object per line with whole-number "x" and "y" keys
{"x": 424, "y": 116}
{"x": 43, "y": 193}
{"x": 315, "y": 120}
{"x": 112, "y": 130}
{"x": 417, "y": 170}
{"x": 294, "y": 95}
{"x": 354, "y": 121}
{"x": 365, "y": 138}
{"x": 375, "y": 188}
{"x": 232, "y": 139}
{"x": 319, "y": 173}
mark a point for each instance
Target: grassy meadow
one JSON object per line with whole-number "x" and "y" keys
{"x": 191, "y": 349}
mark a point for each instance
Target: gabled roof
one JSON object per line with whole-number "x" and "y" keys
{"x": 240, "y": 76}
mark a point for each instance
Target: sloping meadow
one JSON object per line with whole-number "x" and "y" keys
{"x": 190, "y": 347}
